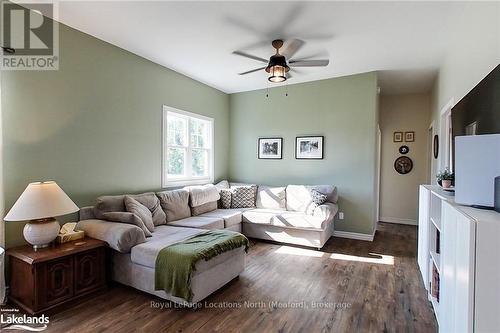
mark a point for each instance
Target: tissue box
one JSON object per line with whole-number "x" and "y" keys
{"x": 71, "y": 236}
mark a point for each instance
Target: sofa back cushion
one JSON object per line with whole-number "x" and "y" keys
{"x": 108, "y": 203}
{"x": 200, "y": 195}
{"x": 299, "y": 197}
{"x": 205, "y": 208}
{"x": 175, "y": 204}
{"x": 271, "y": 197}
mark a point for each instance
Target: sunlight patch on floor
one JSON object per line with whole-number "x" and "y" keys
{"x": 381, "y": 259}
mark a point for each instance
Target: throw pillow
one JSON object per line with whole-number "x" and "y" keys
{"x": 151, "y": 201}
{"x": 243, "y": 197}
{"x": 135, "y": 207}
{"x": 225, "y": 198}
{"x": 129, "y": 218}
{"x": 175, "y": 204}
{"x": 223, "y": 184}
{"x": 318, "y": 198}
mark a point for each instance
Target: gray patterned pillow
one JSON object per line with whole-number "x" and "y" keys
{"x": 225, "y": 198}
{"x": 243, "y": 197}
{"x": 317, "y": 197}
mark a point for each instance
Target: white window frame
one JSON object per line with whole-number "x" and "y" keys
{"x": 446, "y": 134}
{"x": 188, "y": 179}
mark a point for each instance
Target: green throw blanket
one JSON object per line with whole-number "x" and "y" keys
{"x": 175, "y": 263}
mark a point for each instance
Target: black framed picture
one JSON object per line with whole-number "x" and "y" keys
{"x": 270, "y": 148}
{"x": 397, "y": 137}
{"x": 409, "y": 136}
{"x": 309, "y": 147}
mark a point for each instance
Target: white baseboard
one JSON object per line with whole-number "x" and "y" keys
{"x": 354, "y": 235}
{"x": 398, "y": 220}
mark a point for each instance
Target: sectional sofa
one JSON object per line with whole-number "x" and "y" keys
{"x": 283, "y": 214}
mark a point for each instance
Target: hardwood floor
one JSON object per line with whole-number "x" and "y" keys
{"x": 364, "y": 286}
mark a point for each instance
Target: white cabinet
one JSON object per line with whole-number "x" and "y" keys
{"x": 459, "y": 258}
{"x": 457, "y": 271}
{"x": 423, "y": 234}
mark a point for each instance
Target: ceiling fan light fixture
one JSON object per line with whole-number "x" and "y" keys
{"x": 277, "y": 74}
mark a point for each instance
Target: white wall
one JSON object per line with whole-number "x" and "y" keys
{"x": 473, "y": 54}
{"x": 399, "y": 193}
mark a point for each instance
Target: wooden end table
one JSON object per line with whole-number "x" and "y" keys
{"x": 45, "y": 279}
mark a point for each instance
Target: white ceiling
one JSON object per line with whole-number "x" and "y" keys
{"x": 406, "y": 41}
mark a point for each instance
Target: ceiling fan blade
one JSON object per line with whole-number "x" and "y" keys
{"x": 291, "y": 47}
{"x": 246, "y": 55}
{"x": 309, "y": 63}
{"x": 253, "y": 70}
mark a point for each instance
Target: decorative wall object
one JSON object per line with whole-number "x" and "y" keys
{"x": 270, "y": 148}
{"x": 309, "y": 147}
{"x": 397, "y": 137}
{"x": 435, "y": 146}
{"x": 403, "y": 165}
{"x": 404, "y": 150}
{"x": 409, "y": 136}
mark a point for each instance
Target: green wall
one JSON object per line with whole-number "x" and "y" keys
{"x": 344, "y": 110}
{"x": 94, "y": 126}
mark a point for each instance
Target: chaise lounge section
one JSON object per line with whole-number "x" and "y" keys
{"x": 288, "y": 214}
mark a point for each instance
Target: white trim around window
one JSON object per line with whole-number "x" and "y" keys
{"x": 186, "y": 147}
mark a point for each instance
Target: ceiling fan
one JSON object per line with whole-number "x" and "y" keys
{"x": 277, "y": 65}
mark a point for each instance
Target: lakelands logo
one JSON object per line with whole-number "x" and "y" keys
{"x": 28, "y": 28}
{"x": 25, "y": 323}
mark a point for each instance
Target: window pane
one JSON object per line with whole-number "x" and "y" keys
{"x": 199, "y": 162}
{"x": 176, "y": 161}
{"x": 199, "y": 133}
{"x": 176, "y": 131}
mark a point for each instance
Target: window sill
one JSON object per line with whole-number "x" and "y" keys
{"x": 181, "y": 183}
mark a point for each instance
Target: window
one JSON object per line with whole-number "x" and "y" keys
{"x": 187, "y": 148}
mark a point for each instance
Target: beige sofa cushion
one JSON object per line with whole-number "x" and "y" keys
{"x": 119, "y": 236}
{"x": 271, "y": 197}
{"x": 299, "y": 198}
{"x": 205, "y": 208}
{"x": 231, "y": 217}
{"x": 297, "y": 220}
{"x": 175, "y": 204}
{"x": 135, "y": 207}
{"x": 261, "y": 215}
{"x": 108, "y": 203}
{"x": 199, "y": 222}
{"x": 202, "y": 194}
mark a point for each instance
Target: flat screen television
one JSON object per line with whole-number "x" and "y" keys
{"x": 479, "y": 111}
{"x": 476, "y": 142}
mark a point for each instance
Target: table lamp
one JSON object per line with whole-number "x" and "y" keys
{"x": 39, "y": 204}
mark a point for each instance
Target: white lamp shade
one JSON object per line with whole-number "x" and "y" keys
{"x": 41, "y": 200}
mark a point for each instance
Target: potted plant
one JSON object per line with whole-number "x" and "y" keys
{"x": 445, "y": 178}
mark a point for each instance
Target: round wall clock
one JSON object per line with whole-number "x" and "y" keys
{"x": 404, "y": 150}
{"x": 403, "y": 165}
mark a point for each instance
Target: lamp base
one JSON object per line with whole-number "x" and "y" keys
{"x": 40, "y": 233}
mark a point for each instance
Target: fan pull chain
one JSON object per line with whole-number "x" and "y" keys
{"x": 267, "y": 91}
{"x": 286, "y": 89}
